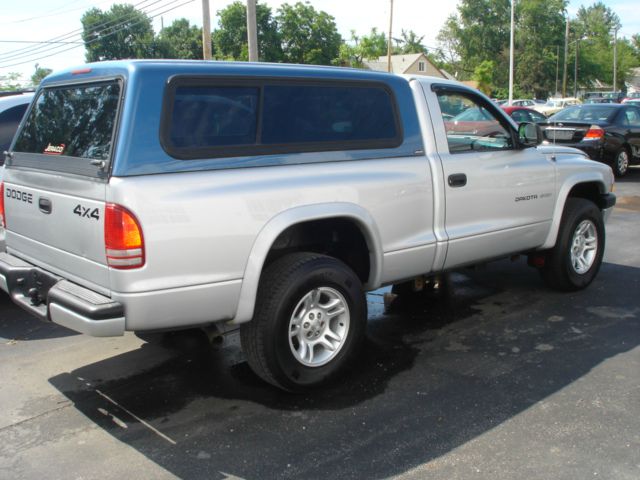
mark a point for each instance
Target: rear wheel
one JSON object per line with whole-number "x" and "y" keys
{"x": 309, "y": 320}
{"x": 575, "y": 260}
{"x": 621, "y": 163}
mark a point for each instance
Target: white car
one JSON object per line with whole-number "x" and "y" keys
{"x": 554, "y": 105}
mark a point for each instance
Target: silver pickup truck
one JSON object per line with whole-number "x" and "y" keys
{"x": 158, "y": 195}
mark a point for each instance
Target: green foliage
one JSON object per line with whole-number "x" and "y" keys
{"x": 120, "y": 32}
{"x": 411, "y": 43}
{"x": 483, "y": 74}
{"x": 479, "y": 32}
{"x": 231, "y": 37}
{"x": 180, "y": 40}
{"x": 308, "y": 36}
{"x": 539, "y": 33}
{"x": 10, "y": 82}
{"x": 367, "y": 47}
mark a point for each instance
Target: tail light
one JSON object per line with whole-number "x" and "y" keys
{"x": 123, "y": 240}
{"x": 594, "y": 133}
{"x": 3, "y": 224}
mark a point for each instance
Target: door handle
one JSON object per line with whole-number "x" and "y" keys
{"x": 457, "y": 180}
{"x": 44, "y": 204}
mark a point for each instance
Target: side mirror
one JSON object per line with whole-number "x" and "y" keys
{"x": 529, "y": 134}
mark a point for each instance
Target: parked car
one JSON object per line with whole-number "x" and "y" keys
{"x": 592, "y": 100}
{"x": 554, "y": 105}
{"x": 609, "y": 133}
{"x": 631, "y": 97}
{"x": 12, "y": 108}
{"x": 522, "y": 103}
{"x": 524, "y": 114}
{"x": 157, "y": 195}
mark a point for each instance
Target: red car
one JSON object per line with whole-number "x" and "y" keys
{"x": 524, "y": 114}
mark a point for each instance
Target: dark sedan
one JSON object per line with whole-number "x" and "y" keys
{"x": 609, "y": 133}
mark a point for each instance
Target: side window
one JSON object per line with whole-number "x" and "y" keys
{"x": 470, "y": 126}
{"x": 202, "y": 119}
{"x": 295, "y": 114}
{"x": 520, "y": 116}
{"x": 9, "y": 121}
{"x": 537, "y": 117}
{"x": 633, "y": 117}
{"x": 214, "y": 116}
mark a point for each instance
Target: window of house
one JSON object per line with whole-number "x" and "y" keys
{"x": 421, "y": 66}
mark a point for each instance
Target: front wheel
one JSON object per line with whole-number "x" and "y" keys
{"x": 309, "y": 320}
{"x": 621, "y": 164}
{"x": 576, "y": 258}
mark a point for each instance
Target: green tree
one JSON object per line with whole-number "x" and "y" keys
{"x": 366, "y": 47}
{"x": 120, "y": 32}
{"x": 231, "y": 37}
{"x": 308, "y": 36}
{"x": 411, "y": 42}
{"x": 483, "y": 74}
{"x": 539, "y": 33}
{"x": 594, "y": 26}
{"x": 10, "y": 82}
{"x": 180, "y": 40}
{"x": 39, "y": 75}
{"x": 479, "y": 32}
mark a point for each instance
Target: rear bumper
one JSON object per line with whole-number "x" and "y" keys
{"x": 49, "y": 297}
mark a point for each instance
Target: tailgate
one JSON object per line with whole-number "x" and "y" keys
{"x": 61, "y": 232}
{"x": 55, "y": 181}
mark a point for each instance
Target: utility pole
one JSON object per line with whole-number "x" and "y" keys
{"x": 252, "y": 31}
{"x": 206, "y": 31}
{"x": 615, "y": 59}
{"x": 511, "y": 55}
{"x": 389, "y": 41}
{"x": 557, "y": 65}
{"x": 575, "y": 72}
{"x": 566, "y": 54}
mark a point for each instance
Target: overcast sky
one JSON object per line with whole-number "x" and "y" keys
{"x": 41, "y": 20}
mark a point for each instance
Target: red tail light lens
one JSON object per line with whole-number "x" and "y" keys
{"x": 594, "y": 133}
{"x": 123, "y": 240}
{"x": 3, "y": 224}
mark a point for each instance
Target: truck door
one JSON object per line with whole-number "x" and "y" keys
{"x": 499, "y": 196}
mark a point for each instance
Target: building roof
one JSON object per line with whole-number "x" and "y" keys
{"x": 399, "y": 63}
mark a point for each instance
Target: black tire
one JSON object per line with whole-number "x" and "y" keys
{"x": 559, "y": 271}
{"x": 283, "y": 286}
{"x": 621, "y": 162}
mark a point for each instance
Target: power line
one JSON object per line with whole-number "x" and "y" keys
{"x": 98, "y": 39}
{"x": 66, "y": 36}
{"x": 33, "y": 41}
{"x": 49, "y": 13}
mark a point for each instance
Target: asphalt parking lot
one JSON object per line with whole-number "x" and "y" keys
{"x": 491, "y": 376}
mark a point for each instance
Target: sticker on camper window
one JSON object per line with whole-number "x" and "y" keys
{"x": 54, "y": 149}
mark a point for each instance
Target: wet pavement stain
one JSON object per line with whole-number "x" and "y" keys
{"x": 396, "y": 335}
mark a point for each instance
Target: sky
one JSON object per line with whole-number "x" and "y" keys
{"x": 42, "y": 20}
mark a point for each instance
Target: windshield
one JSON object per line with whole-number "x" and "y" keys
{"x": 552, "y": 103}
{"x": 587, "y": 113}
{"x": 74, "y": 121}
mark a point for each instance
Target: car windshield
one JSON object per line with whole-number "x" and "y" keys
{"x": 553, "y": 103}
{"x": 596, "y": 112}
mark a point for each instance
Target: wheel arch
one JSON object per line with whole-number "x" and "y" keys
{"x": 588, "y": 185}
{"x": 273, "y": 229}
